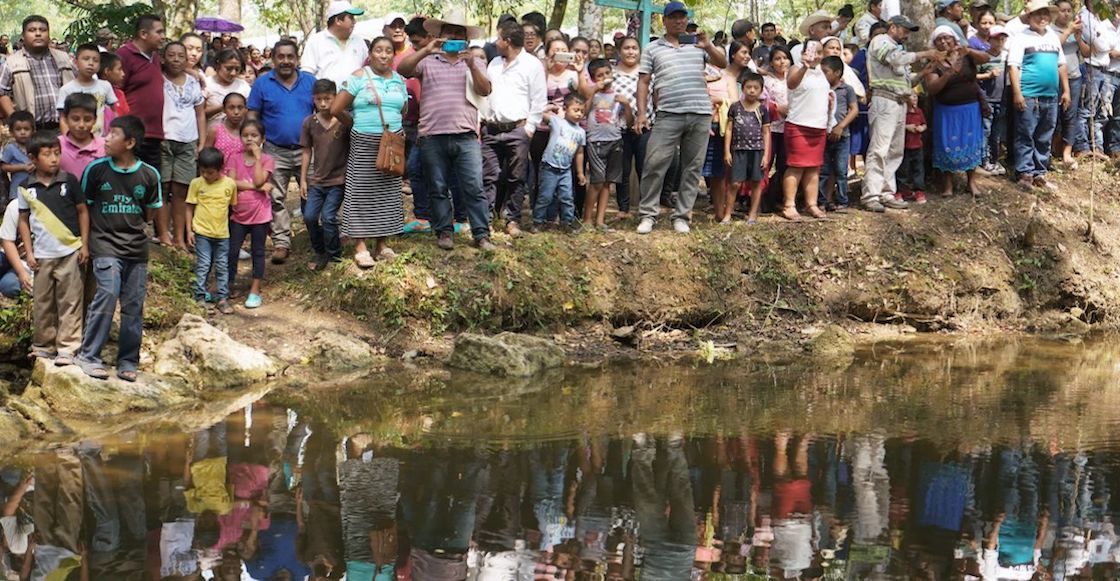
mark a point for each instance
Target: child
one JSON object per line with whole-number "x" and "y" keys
{"x": 251, "y": 169}
{"x": 208, "y": 201}
{"x": 746, "y": 146}
{"x": 226, "y": 136}
{"x": 322, "y": 191}
{"x": 845, "y": 107}
{"x": 80, "y": 143}
{"x": 87, "y": 63}
{"x": 112, "y": 72}
{"x": 52, "y": 207}
{"x": 911, "y": 175}
{"x": 565, "y": 146}
{"x": 14, "y": 159}
{"x": 604, "y": 136}
{"x": 993, "y": 82}
{"x": 120, "y": 190}
{"x": 184, "y": 129}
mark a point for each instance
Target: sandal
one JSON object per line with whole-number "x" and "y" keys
{"x": 40, "y": 354}
{"x": 129, "y": 376}
{"x": 791, "y": 215}
{"x": 386, "y": 254}
{"x": 63, "y": 360}
{"x": 363, "y": 260}
{"x": 817, "y": 213}
{"x": 417, "y": 226}
{"x": 94, "y": 370}
{"x": 319, "y": 263}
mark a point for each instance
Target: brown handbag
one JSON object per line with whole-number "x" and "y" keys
{"x": 390, "y": 153}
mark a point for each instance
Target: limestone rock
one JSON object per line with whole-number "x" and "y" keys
{"x": 833, "y": 341}
{"x": 336, "y": 352}
{"x": 206, "y": 357}
{"x": 68, "y": 391}
{"x": 509, "y": 354}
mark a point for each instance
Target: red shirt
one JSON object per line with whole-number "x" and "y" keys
{"x": 121, "y": 108}
{"x": 143, "y": 85}
{"x": 914, "y": 116}
{"x": 412, "y": 112}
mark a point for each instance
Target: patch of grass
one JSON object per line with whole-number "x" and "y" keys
{"x": 15, "y": 326}
{"x": 170, "y": 293}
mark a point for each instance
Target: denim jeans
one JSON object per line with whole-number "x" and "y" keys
{"x": 1034, "y": 135}
{"x": 556, "y": 185}
{"x": 211, "y": 252}
{"x": 1071, "y": 118}
{"x": 117, "y": 280}
{"x": 912, "y": 172}
{"x": 419, "y": 185}
{"x": 9, "y": 281}
{"x": 321, "y": 216}
{"x": 1098, "y": 90}
{"x": 836, "y": 155}
{"x": 995, "y": 129}
{"x": 458, "y": 155}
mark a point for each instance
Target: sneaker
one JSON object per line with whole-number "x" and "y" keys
{"x": 243, "y": 255}
{"x": 1041, "y": 182}
{"x": 919, "y": 197}
{"x": 445, "y": 241}
{"x": 485, "y": 245}
{"x": 681, "y": 226}
{"x": 280, "y": 255}
{"x": 895, "y": 203}
{"x": 645, "y": 226}
{"x": 874, "y": 206}
{"x": 224, "y": 307}
{"x": 898, "y": 197}
{"x": 904, "y": 195}
{"x": 983, "y": 171}
{"x": 253, "y": 301}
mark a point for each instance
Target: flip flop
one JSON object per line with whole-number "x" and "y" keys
{"x": 129, "y": 376}
{"x": 363, "y": 260}
{"x": 387, "y": 254}
{"x": 63, "y": 361}
{"x": 416, "y": 226}
{"x": 94, "y": 370}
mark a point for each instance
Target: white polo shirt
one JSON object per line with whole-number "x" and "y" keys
{"x": 326, "y": 57}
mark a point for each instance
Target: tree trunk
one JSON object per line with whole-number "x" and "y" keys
{"x": 230, "y": 9}
{"x": 180, "y": 16}
{"x": 559, "y": 8}
{"x": 921, "y": 12}
{"x": 590, "y": 19}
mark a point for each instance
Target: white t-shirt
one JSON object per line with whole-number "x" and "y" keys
{"x": 16, "y": 534}
{"x": 180, "y": 121}
{"x": 808, "y": 103}
{"x": 216, "y": 92}
{"x": 9, "y": 229}
{"x": 326, "y": 57}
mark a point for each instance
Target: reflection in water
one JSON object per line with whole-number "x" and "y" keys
{"x": 274, "y": 492}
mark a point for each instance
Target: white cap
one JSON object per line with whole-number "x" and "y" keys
{"x": 393, "y": 17}
{"x": 342, "y": 7}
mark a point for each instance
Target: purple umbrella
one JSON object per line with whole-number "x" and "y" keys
{"x": 216, "y": 24}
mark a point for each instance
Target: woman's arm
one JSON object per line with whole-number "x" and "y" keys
{"x": 936, "y": 82}
{"x": 795, "y": 76}
{"x": 200, "y": 120}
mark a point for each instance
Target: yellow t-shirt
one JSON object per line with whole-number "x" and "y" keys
{"x": 212, "y": 203}
{"x": 208, "y": 486}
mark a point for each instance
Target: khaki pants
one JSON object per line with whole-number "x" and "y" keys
{"x": 884, "y": 154}
{"x": 57, "y": 309}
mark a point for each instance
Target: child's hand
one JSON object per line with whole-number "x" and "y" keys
{"x": 83, "y": 255}
{"x": 267, "y": 188}
{"x": 582, "y": 179}
{"x": 31, "y": 262}
{"x": 190, "y": 239}
{"x": 835, "y": 134}
{"x": 727, "y": 158}
{"x": 29, "y": 168}
{"x": 303, "y": 190}
{"x": 26, "y": 283}
{"x": 621, "y": 99}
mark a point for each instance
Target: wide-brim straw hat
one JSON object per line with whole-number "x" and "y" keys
{"x": 813, "y": 19}
{"x": 454, "y": 17}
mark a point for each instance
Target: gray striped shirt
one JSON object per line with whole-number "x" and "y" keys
{"x": 680, "y": 77}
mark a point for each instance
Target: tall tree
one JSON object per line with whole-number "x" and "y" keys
{"x": 921, "y": 12}
{"x": 180, "y": 16}
{"x": 559, "y": 8}
{"x": 230, "y": 9}
{"x": 590, "y": 19}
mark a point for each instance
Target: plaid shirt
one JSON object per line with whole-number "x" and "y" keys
{"x": 47, "y": 81}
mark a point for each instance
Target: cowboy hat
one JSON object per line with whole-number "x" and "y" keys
{"x": 1037, "y": 5}
{"x": 813, "y": 19}
{"x": 451, "y": 17}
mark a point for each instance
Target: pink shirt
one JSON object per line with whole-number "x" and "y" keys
{"x": 76, "y": 158}
{"x": 226, "y": 142}
{"x": 253, "y": 206}
{"x": 443, "y": 83}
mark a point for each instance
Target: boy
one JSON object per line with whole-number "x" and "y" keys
{"x": 112, "y": 71}
{"x": 80, "y": 143}
{"x": 993, "y": 82}
{"x": 208, "y": 201}
{"x": 912, "y": 172}
{"x": 14, "y": 159}
{"x": 604, "y": 137}
{"x": 565, "y": 147}
{"x": 87, "y": 63}
{"x": 120, "y": 190}
{"x": 322, "y": 191}
{"x": 845, "y": 107}
{"x": 52, "y": 207}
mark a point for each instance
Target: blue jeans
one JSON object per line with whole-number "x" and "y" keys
{"x": 1098, "y": 89}
{"x": 459, "y": 155}
{"x": 211, "y": 252}
{"x": 117, "y": 280}
{"x": 556, "y": 184}
{"x": 995, "y": 129}
{"x": 321, "y": 216}
{"x": 1071, "y": 118}
{"x": 9, "y": 281}
{"x": 1034, "y": 135}
{"x": 836, "y": 155}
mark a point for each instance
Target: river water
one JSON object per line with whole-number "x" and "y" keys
{"x": 910, "y": 461}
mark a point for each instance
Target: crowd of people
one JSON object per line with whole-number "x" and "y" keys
{"x": 195, "y": 143}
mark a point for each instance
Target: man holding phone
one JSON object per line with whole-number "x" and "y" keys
{"x": 684, "y": 114}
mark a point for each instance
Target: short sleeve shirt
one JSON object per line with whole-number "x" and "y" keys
{"x": 280, "y": 107}
{"x": 389, "y": 100}
{"x": 681, "y": 87}
{"x": 446, "y": 110}
{"x": 1038, "y": 56}
{"x": 844, "y": 97}
{"x": 328, "y": 151}
{"x": 253, "y": 206}
{"x": 100, "y": 90}
{"x": 16, "y": 534}
{"x": 8, "y": 227}
{"x": 212, "y": 202}
{"x": 13, "y": 154}
{"x": 563, "y": 141}
{"x": 216, "y": 92}
{"x": 604, "y": 118}
{"x": 53, "y": 215}
{"x": 746, "y": 127}
{"x": 180, "y": 121}
{"x": 117, "y": 198}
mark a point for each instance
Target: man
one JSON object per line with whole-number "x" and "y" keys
{"x": 889, "y": 70}
{"x": 1039, "y": 85}
{"x": 684, "y": 114}
{"x": 950, "y": 13}
{"x": 106, "y": 40}
{"x": 761, "y": 53}
{"x": 863, "y": 25}
{"x": 143, "y": 84}
{"x": 4, "y": 44}
{"x": 1101, "y": 36}
{"x": 814, "y": 28}
{"x": 744, "y": 32}
{"x": 517, "y": 101}
{"x": 335, "y": 53}
{"x": 31, "y": 78}
{"x": 534, "y": 39}
{"x": 840, "y": 25}
{"x": 281, "y": 99}
{"x": 393, "y": 29}
{"x": 448, "y": 124}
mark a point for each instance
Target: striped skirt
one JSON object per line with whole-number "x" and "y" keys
{"x": 373, "y": 206}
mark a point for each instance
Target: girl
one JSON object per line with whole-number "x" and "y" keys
{"x": 778, "y": 104}
{"x": 626, "y": 84}
{"x": 226, "y": 136}
{"x": 226, "y": 80}
{"x": 184, "y": 128}
{"x": 251, "y": 169}
{"x": 194, "y": 46}
{"x": 747, "y": 146}
{"x": 738, "y": 63}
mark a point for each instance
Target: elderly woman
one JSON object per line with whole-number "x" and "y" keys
{"x": 805, "y": 132}
{"x": 958, "y": 133}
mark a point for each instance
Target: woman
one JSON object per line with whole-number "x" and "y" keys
{"x": 225, "y": 80}
{"x": 805, "y": 132}
{"x": 595, "y": 50}
{"x": 372, "y": 207}
{"x": 256, "y": 60}
{"x": 195, "y": 48}
{"x": 723, "y": 92}
{"x": 626, "y": 84}
{"x": 833, "y": 47}
{"x": 777, "y": 95}
{"x": 958, "y": 134}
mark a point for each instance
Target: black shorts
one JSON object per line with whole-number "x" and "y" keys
{"x": 746, "y": 166}
{"x": 605, "y": 160}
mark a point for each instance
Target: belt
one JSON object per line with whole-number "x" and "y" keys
{"x": 1101, "y": 69}
{"x": 495, "y": 127}
{"x": 287, "y": 147}
{"x": 900, "y": 99}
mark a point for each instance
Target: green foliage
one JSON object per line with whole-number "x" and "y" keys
{"x": 118, "y": 18}
{"x": 169, "y": 290}
{"x": 15, "y": 325}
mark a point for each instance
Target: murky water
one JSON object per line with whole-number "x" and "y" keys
{"x": 916, "y": 461}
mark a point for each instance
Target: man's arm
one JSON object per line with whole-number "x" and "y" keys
{"x": 407, "y": 66}
{"x": 716, "y": 56}
{"x": 7, "y": 107}
{"x": 643, "y": 97}
{"x": 478, "y": 76}
{"x": 538, "y": 98}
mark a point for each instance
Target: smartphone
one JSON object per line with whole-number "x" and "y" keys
{"x": 454, "y": 46}
{"x": 812, "y": 49}
{"x": 687, "y": 38}
{"x": 564, "y": 57}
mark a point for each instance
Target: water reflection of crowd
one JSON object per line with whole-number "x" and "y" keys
{"x": 267, "y": 495}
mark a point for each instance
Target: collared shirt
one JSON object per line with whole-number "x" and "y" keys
{"x": 143, "y": 87}
{"x": 680, "y": 77}
{"x": 888, "y": 66}
{"x": 327, "y": 57}
{"x": 518, "y": 90}
{"x": 446, "y": 110}
{"x": 280, "y": 109}
{"x": 412, "y": 112}
{"x": 76, "y": 158}
{"x": 1100, "y": 34}
{"x": 863, "y": 27}
{"x": 53, "y": 214}
{"x": 46, "y": 80}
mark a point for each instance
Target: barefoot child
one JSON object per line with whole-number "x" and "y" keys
{"x": 184, "y": 127}
{"x": 609, "y": 110}
{"x": 565, "y": 147}
{"x": 251, "y": 170}
{"x": 746, "y": 146}
{"x": 208, "y": 202}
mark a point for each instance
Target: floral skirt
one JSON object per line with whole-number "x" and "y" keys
{"x": 958, "y": 137}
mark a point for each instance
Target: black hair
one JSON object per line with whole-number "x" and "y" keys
{"x": 769, "y": 25}
{"x": 20, "y": 117}
{"x": 146, "y": 21}
{"x": 323, "y": 86}
{"x": 833, "y": 63}
{"x": 108, "y": 61}
{"x": 871, "y": 3}
{"x": 253, "y": 123}
{"x": 751, "y": 77}
{"x": 83, "y": 101}
{"x": 416, "y": 26}
{"x": 35, "y": 18}
{"x": 779, "y": 50}
{"x": 536, "y": 19}
{"x": 512, "y": 32}
{"x": 211, "y": 158}
{"x": 374, "y": 42}
{"x": 548, "y": 47}
{"x": 877, "y": 28}
{"x": 597, "y": 64}
{"x": 228, "y": 54}
{"x": 233, "y": 95}
{"x": 171, "y": 44}
{"x": 623, "y": 40}
{"x": 736, "y": 46}
{"x": 582, "y": 39}
{"x": 285, "y": 42}
{"x": 573, "y": 97}
{"x": 132, "y": 128}
{"x": 88, "y": 46}
{"x": 40, "y": 140}
{"x": 207, "y": 529}
{"x": 847, "y": 11}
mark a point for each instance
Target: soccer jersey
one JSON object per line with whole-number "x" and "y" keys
{"x": 117, "y": 198}
{"x": 211, "y": 206}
